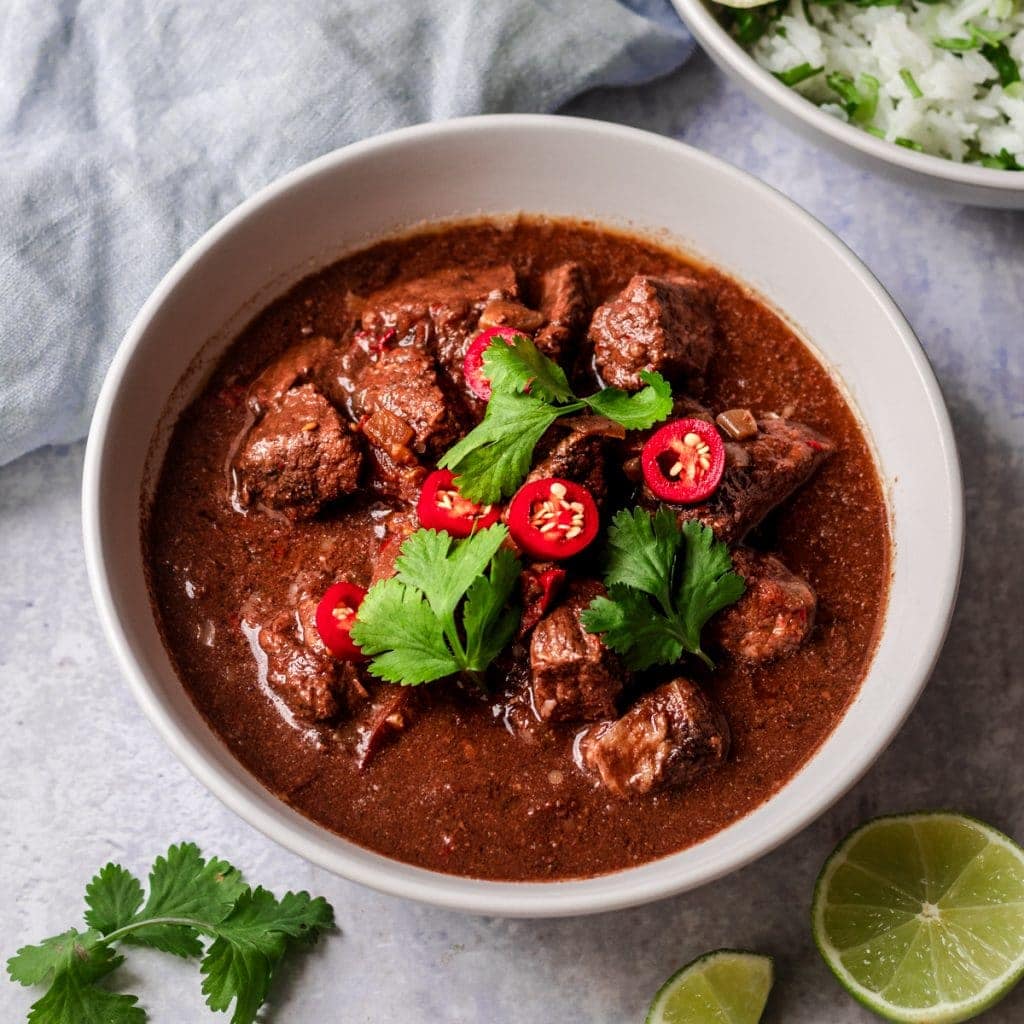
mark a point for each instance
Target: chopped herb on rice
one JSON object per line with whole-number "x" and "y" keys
{"x": 934, "y": 76}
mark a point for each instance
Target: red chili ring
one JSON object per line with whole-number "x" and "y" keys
{"x": 441, "y": 507}
{"x": 335, "y": 616}
{"x": 553, "y": 518}
{"x": 683, "y": 462}
{"x": 473, "y": 363}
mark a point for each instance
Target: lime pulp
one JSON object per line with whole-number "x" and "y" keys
{"x": 921, "y": 916}
{"x": 724, "y": 987}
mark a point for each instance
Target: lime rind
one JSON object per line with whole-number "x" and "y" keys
{"x": 943, "y": 965}
{"x": 726, "y": 986}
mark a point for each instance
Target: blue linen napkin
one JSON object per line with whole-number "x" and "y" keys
{"x": 127, "y": 127}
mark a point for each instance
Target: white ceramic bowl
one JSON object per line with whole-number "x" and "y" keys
{"x": 557, "y": 166}
{"x": 963, "y": 183}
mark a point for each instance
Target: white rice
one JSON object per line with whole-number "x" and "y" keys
{"x": 963, "y": 111}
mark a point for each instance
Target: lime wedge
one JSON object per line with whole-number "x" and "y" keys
{"x": 723, "y": 987}
{"x": 921, "y": 916}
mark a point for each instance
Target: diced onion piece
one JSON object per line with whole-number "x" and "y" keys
{"x": 739, "y": 424}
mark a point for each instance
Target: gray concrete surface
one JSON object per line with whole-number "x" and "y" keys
{"x": 85, "y": 778}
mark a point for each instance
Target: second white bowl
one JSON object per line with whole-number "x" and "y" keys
{"x": 962, "y": 183}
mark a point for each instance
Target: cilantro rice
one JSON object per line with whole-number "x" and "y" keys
{"x": 942, "y": 78}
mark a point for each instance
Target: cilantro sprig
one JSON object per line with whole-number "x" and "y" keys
{"x": 191, "y": 901}
{"x": 447, "y": 609}
{"x": 528, "y": 393}
{"x": 664, "y": 583}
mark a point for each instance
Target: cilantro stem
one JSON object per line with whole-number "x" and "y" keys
{"x": 564, "y": 410}
{"x": 703, "y": 657}
{"x": 189, "y": 922}
{"x": 451, "y": 632}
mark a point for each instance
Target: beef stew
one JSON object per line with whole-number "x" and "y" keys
{"x": 304, "y": 463}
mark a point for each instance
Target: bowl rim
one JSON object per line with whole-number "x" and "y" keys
{"x": 518, "y": 899}
{"x": 713, "y": 37}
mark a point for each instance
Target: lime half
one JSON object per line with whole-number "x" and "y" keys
{"x": 921, "y": 916}
{"x": 723, "y": 987}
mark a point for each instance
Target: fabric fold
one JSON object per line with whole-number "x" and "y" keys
{"x": 128, "y": 127}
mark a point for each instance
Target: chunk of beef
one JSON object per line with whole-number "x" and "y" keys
{"x": 565, "y": 303}
{"x": 396, "y": 478}
{"x": 303, "y": 363}
{"x": 440, "y": 313}
{"x": 760, "y": 474}
{"x": 772, "y": 618}
{"x": 504, "y": 313}
{"x": 396, "y": 471}
{"x": 573, "y": 675}
{"x": 579, "y": 456}
{"x": 670, "y": 737}
{"x": 301, "y": 670}
{"x": 403, "y": 381}
{"x": 429, "y": 307}
{"x": 303, "y": 677}
{"x": 655, "y": 323}
{"x": 298, "y": 456}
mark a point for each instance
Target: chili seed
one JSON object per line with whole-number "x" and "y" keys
{"x": 693, "y": 452}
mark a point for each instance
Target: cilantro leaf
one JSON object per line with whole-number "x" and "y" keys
{"x": 493, "y": 459}
{"x": 398, "y": 630}
{"x": 70, "y": 964}
{"x": 189, "y": 897}
{"x": 250, "y": 942}
{"x": 446, "y": 610}
{"x": 489, "y": 623}
{"x": 425, "y": 550}
{"x": 113, "y": 898}
{"x": 71, "y": 950}
{"x": 999, "y": 57}
{"x": 642, "y": 550}
{"x": 635, "y": 410}
{"x": 663, "y": 586}
{"x": 521, "y": 366}
{"x": 184, "y": 885}
{"x": 707, "y": 584}
{"x": 73, "y": 999}
{"x": 625, "y": 620}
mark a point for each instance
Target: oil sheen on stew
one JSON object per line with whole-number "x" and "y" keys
{"x": 252, "y": 522}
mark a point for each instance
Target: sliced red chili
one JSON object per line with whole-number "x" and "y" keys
{"x": 553, "y": 518}
{"x": 540, "y": 586}
{"x": 335, "y": 616}
{"x": 375, "y": 343}
{"x": 683, "y": 462}
{"x": 473, "y": 363}
{"x": 441, "y": 507}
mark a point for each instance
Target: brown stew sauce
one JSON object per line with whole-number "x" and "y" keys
{"x": 459, "y": 792}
